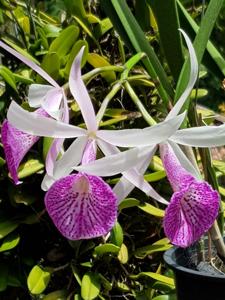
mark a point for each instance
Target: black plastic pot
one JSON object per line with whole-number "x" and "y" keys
{"x": 191, "y": 284}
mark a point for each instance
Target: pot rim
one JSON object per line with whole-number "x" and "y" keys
{"x": 171, "y": 260}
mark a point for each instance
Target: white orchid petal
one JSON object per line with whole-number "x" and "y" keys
{"x": 47, "y": 182}
{"x": 80, "y": 93}
{"x": 142, "y": 137}
{"x": 39, "y": 125}
{"x": 30, "y": 64}
{"x": 52, "y": 102}
{"x": 72, "y": 157}
{"x": 114, "y": 164}
{"x": 37, "y": 93}
{"x": 133, "y": 175}
{"x": 204, "y": 136}
{"x": 192, "y": 78}
{"x": 123, "y": 187}
{"x": 184, "y": 161}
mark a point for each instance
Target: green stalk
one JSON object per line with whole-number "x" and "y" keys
{"x": 106, "y": 101}
{"x": 139, "y": 104}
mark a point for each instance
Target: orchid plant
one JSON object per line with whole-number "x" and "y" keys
{"x": 81, "y": 204}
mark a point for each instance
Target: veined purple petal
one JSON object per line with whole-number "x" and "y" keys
{"x": 81, "y": 206}
{"x": 16, "y": 145}
{"x": 176, "y": 174}
{"x": 190, "y": 214}
{"x": 89, "y": 152}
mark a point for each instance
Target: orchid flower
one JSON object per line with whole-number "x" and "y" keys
{"x": 194, "y": 205}
{"x": 125, "y": 185}
{"x": 82, "y": 206}
{"x": 42, "y": 126}
{"x": 50, "y": 101}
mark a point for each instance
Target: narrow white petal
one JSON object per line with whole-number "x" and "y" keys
{"x": 142, "y": 137}
{"x": 39, "y": 125}
{"x": 204, "y": 136}
{"x": 52, "y": 102}
{"x": 123, "y": 187}
{"x": 37, "y": 93}
{"x": 80, "y": 93}
{"x": 47, "y": 182}
{"x": 72, "y": 157}
{"x": 30, "y": 63}
{"x": 114, "y": 164}
{"x": 192, "y": 78}
{"x": 184, "y": 161}
{"x": 133, "y": 175}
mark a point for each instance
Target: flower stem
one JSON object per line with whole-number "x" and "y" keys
{"x": 106, "y": 101}
{"x": 139, "y": 104}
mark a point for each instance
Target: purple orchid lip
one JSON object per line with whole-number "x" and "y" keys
{"x": 81, "y": 206}
{"x": 193, "y": 207}
{"x": 16, "y": 145}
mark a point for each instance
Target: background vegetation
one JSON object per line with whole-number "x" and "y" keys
{"x": 36, "y": 262}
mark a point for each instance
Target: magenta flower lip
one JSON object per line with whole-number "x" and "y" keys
{"x": 16, "y": 145}
{"x": 81, "y": 206}
{"x": 193, "y": 207}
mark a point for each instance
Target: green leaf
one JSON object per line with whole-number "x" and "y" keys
{"x": 116, "y": 235}
{"x": 20, "y": 50}
{"x": 150, "y": 249}
{"x": 165, "y": 297}
{"x": 90, "y": 286}
{"x": 123, "y": 254}
{"x": 142, "y": 14}
{"x": 156, "y": 176}
{"x": 98, "y": 61}
{"x": 88, "y": 31}
{"x": 128, "y": 28}
{"x": 8, "y": 76}
{"x": 155, "y": 276}
{"x": 152, "y": 210}
{"x": 214, "y": 53}
{"x": 129, "y": 202}
{"x": 104, "y": 26}
{"x": 7, "y": 226}
{"x": 57, "y": 295}
{"x": 10, "y": 242}
{"x": 76, "y": 48}
{"x": 106, "y": 248}
{"x": 38, "y": 280}
{"x": 4, "y": 270}
{"x": 51, "y": 65}
{"x": 76, "y": 8}
{"x": 76, "y": 274}
{"x": 43, "y": 37}
{"x": 200, "y": 43}
{"x": 31, "y": 166}
{"x": 64, "y": 42}
{"x": 168, "y": 24}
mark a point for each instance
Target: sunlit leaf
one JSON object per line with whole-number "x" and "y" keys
{"x": 90, "y": 286}
{"x": 8, "y": 76}
{"x": 57, "y": 295}
{"x": 38, "y": 280}
{"x": 116, "y": 235}
{"x": 10, "y": 242}
{"x": 123, "y": 254}
{"x": 98, "y": 61}
{"x": 106, "y": 248}
{"x": 30, "y": 167}
{"x": 64, "y": 42}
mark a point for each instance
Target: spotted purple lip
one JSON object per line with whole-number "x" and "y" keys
{"x": 193, "y": 207}
{"x": 81, "y": 206}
